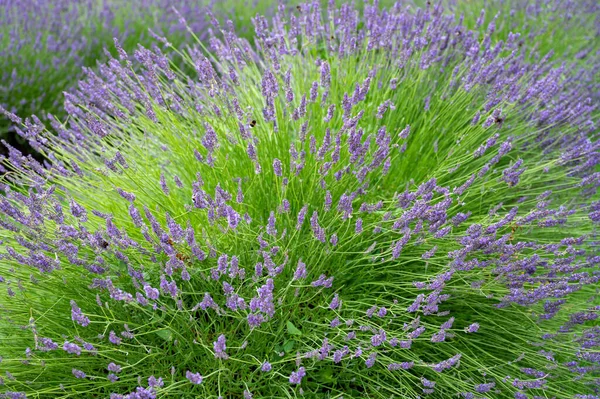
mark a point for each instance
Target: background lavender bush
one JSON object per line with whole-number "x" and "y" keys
{"x": 380, "y": 205}
{"x": 46, "y": 44}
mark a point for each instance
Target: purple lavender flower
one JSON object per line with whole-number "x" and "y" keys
{"x": 151, "y": 293}
{"x": 404, "y": 133}
{"x": 335, "y": 302}
{"x": 169, "y": 287}
{"x": 265, "y": 367}
{"x": 447, "y": 364}
{"x": 113, "y": 367}
{"x": 400, "y": 366}
{"x": 300, "y": 272}
{"x": 255, "y": 319}
{"x": 426, "y": 383}
{"x": 371, "y": 311}
{"x": 207, "y": 302}
{"x": 330, "y": 111}
{"x": 325, "y": 75}
{"x": 285, "y": 206}
{"x": 72, "y": 348}
{"x": 378, "y": 339}
{"x": 359, "y": 226}
{"x": 163, "y": 184}
{"x": 271, "y": 230}
{"x": 483, "y": 388}
{"x": 77, "y": 316}
{"x": 277, "y": 167}
{"x": 46, "y": 344}
{"x": 323, "y": 281}
{"x": 88, "y": 347}
{"x": 195, "y": 378}
{"x": 220, "y": 346}
{"x": 370, "y": 362}
{"x": 296, "y": 376}
{"x": 333, "y": 240}
{"x": 318, "y": 231}
{"x": 154, "y": 382}
{"x": 447, "y": 324}
{"x": 113, "y": 338}
{"x": 439, "y": 336}
{"x": 78, "y": 373}
{"x": 301, "y": 216}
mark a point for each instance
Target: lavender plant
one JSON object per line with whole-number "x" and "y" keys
{"x": 385, "y": 205}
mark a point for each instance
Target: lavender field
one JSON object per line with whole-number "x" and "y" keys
{"x": 333, "y": 199}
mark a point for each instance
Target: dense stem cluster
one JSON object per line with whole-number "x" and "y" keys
{"x": 377, "y": 204}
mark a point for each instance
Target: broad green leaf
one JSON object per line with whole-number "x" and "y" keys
{"x": 327, "y": 375}
{"x": 165, "y": 334}
{"x": 292, "y": 330}
{"x": 288, "y": 346}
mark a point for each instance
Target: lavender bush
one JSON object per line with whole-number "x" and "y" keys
{"x": 378, "y": 205}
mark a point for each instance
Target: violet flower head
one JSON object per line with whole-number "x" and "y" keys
{"x": 265, "y": 367}
{"x": 46, "y": 344}
{"x": 113, "y": 367}
{"x": 72, "y": 348}
{"x": 155, "y": 382}
{"x": 301, "y": 216}
{"x": 277, "y": 167}
{"x": 113, "y": 338}
{"x": 271, "y": 230}
{"x": 151, "y": 293}
{"x": 378, "y": 339}
{"x": 78, "y": 373}
{"x": 335, "y": 302}
{"x": 300, "y": 272}
{"x": 220, "y": 347}
{"x": 427, "y": 383}
{"x": 77, "y": 316}
{"x": 194, "y": 378}
{"x": 483, "y": 388}
{"x": 323, "y": 281}
{"x": 325, "y": 75}
{"x": 296, "y": 376}
{"x": 359, "y": 226}
{"x": 370, "y": 361}
{"x": 333, "y": 240}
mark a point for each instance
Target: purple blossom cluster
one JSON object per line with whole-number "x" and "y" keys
{"x": 468, "y": 264}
